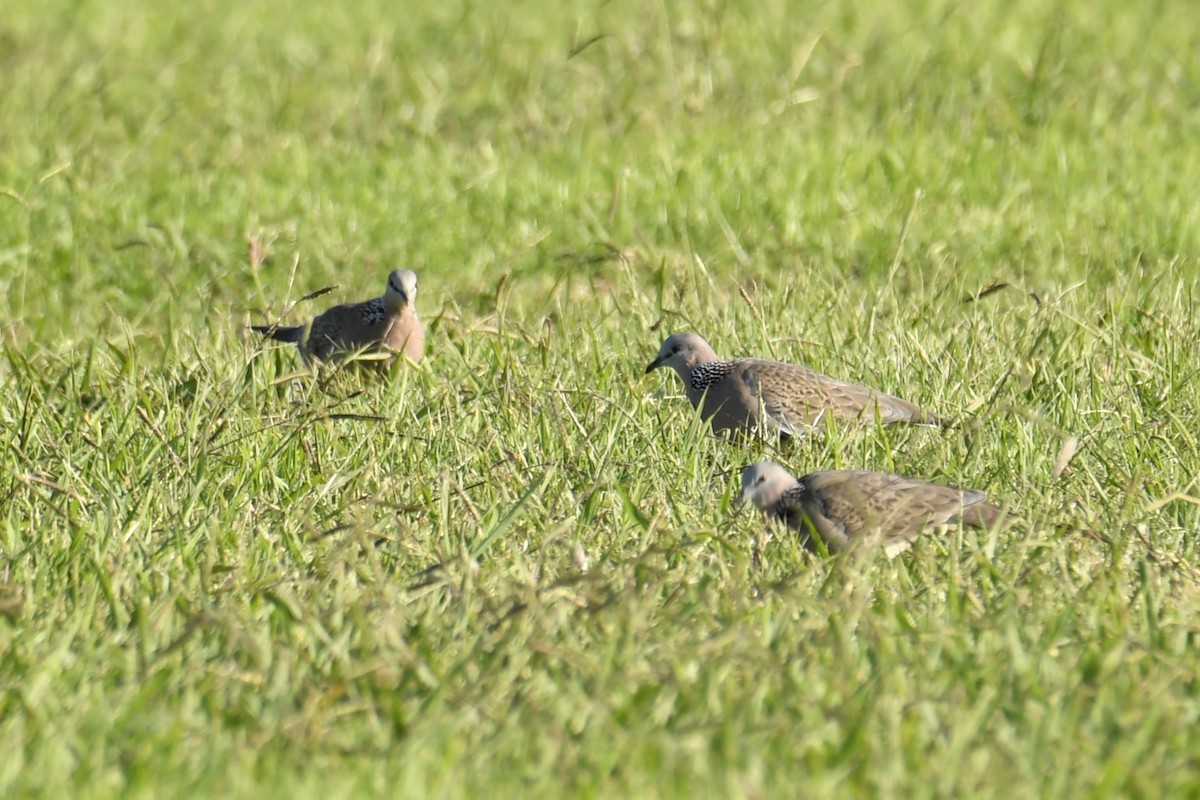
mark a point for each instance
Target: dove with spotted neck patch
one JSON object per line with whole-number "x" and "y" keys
{"x": 758, "y": 396}
{"x": 387, "y": 324}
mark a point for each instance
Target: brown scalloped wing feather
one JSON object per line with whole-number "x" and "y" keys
{"x": 795, "y": 396}
{"x": 846, "y": 504}
{"x": 345, "y": 329}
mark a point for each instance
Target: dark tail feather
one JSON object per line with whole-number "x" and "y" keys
{"x": 280, "y": 334}
{"x": 919, "y": 416}
{"x": 983, "y": 515}
{"x": 938, "y": 420}
{"x": 897, "y": 410}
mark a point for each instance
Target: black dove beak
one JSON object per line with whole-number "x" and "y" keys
{"x": 655, "y": 364}
{"x": 403, "y": 294}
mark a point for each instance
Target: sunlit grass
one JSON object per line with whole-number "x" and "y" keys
{"x": 517, "y": 569}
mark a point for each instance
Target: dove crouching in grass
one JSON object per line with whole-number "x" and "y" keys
{"x": 769, "y": 397}
{"x": 387, "y": 324}
{"x": 841, "y": 507}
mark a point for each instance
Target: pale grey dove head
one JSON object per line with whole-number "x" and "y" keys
{"x": 764, "y": 484}
{"x": 683, "y": 352}
{"x": 401, "y": 288}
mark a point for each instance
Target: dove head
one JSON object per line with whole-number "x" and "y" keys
{"x": 401, "y": 287}
{"x": 683, "y": 352}
{"x": 764, "y": 483}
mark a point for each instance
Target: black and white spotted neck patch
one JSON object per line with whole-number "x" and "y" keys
{"x": 706, "y": 375}
{"x": 374, "y": 311}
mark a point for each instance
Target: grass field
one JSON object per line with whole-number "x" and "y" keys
{"x": 517, "y": 570}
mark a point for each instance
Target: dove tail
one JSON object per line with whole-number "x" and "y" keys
{"x": 982, "y": 515}
{"x": 937, "y": 420}
{"x": 292, "y": 335}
